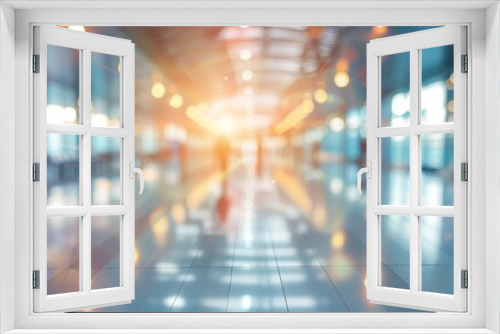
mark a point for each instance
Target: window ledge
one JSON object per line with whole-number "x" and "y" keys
{"x": 250, "y": 331}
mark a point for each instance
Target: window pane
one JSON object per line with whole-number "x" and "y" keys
{"x": 395, "y": 170}
{"x": 395, "y": 89}
{"x": 106, "y": 171}
{"x": 63, "y": 85}
{"x": 105, "y": 90}
{"x": 437, "y": 85}
{"x": 437, "y": 169}
{"x": 437, "y": 254}
{"x": 395, "y": 245}
{"x": 63, "y": 169}
{"x": 63, "y": 254}
{"x": 105, "y": 252}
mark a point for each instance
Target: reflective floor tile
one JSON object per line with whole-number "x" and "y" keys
{"x": 158, "y": 292}
{"x": 256, "y": 290}
{"x": 351, "y": 284}
{"x": 215, "y": 251}
{"x": 297, "y": 253}
{"x": 254, "y": 251}
{"x": 204, "y": 290}
{"x": 309, "y": 289}
{"x": 339, "y": 248}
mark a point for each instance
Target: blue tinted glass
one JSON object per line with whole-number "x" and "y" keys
{"x": 63, "y": 169}
{"x": 437, "y": 254}
{"x": 63, "y": 254}
{"x": 395, "y": 170}
{"x": 105, "y": 90}
{"x": 395, "y": 89}
{"x": 63, "y": 85}
{"x": 106, "y": 166}
{"x": 395, "y": 244}
{"x": 105, "y": 262}
{"x": 437, "y": 169}
{"x": 437, "y": 104}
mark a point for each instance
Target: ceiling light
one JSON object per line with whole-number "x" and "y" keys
{"x": 247, "y": 75}
{"x": 245, "y": 54}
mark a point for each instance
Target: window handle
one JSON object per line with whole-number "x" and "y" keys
{"x": 368, "y": 171}
{"x": 134, "y": 170}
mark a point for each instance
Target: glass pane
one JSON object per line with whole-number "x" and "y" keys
{"x": 395, "y": 245}
{"x": 105, "y": 90}
{"x": 63, "y": 169}
{"x": 395, "y": 89}
{"x": 437, "y": 254}
{"x": 106, "y": 171}
{"x": 63, "y": 254}
{"x": 437, "y": 169}
{"x": 105, "y": 252}
{"x": 395, "y": 170}
{"x": 437, "y": 85}
{"x": 63, "y": 85}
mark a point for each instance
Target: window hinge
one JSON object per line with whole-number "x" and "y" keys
{"x": 36, "y": 172}
{"x": 465, "y": 279}
{"x": 465, "y": 64}
{"x": 36, "y": 63}
{"x": 464, "y": 171}
{"x": 36, "y": 279}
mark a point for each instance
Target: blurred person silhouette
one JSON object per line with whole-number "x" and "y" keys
{"x": 259, "y": 156}
{"x": 223, "y": 204}
{"x": 222, "y": 152}
{"x": 316, "y": 154}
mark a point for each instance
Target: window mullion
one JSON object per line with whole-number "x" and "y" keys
{"x": 414, "y": 171}
{"x": 85, "y": 102}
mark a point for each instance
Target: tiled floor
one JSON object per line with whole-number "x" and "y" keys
{"x": 281, "y": 240}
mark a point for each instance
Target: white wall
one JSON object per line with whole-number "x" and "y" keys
{"x": 493, "y": 164}
{"x": 7, "y": 160}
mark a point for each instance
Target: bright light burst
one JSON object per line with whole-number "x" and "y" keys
{"x": 77, "y": 28}
{"x": 295, "y": 116}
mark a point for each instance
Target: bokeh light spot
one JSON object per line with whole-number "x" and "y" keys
{"x": 337, "y": 124}
{"x": 247, "y": 75}
{"x": 245, "y": 54}
{"x": 176, "y": 101}
{"x": 320, "y": 95}
{"x": 158, "y": 90}
{"x": 341, "y": 79}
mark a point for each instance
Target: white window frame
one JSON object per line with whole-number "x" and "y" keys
{"x": 483, "y": 311}
{"x": 412, "y": 44}
{"x": 86, "y": 44}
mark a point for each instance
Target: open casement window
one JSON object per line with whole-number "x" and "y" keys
{"x": 83, "y": 170}
{"x": 416, "y": 195}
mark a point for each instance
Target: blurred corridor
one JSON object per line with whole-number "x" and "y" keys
{"x": 250, "y": 139}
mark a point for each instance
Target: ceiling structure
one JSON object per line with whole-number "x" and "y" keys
{"x": 255, "y": 74}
